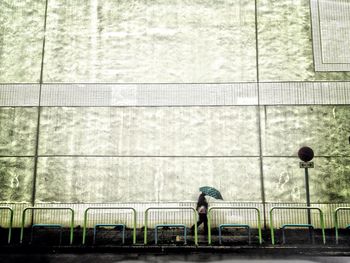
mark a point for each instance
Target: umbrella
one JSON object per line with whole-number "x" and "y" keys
{"x": 211, "y": 191}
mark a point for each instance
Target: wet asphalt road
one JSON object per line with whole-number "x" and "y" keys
{"x": 131, "y": 258}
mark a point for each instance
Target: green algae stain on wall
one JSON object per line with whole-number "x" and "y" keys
{"x": 332, "y": 183}
{"x": 329, "y": 180}
{"x": 16, "y": 179}
{"x": 17, "y": 138}
{"x": 326, "y": 129}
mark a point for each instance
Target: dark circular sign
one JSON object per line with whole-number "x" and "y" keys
{"x": 306, "y": 154}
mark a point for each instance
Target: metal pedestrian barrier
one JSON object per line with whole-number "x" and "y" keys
{"x": 10, "y": 221}
{"x": 300, "y": 225}
{"x": 336, "y": 222}
{"x": 181, "y": 220}
{"x": 48, "y": 225}
{"x": 233, "y": 225}
{"x": 171, "y": 208}
{"x": 109, "y": 208}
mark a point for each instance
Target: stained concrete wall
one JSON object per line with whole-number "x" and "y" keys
{"x": 75, "y": 152}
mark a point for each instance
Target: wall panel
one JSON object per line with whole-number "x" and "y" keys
{"x": 16, "y": 179}
{"x": 326, "y": 129}
{"x": 102, "y": 179}
{"x": 285, "y": 42}
{"x": 150, "y": 41}
{"x": 150, "y": 131}
{"x": 18, "y": 130}
{"x": 21, "y": 40}
{"x": 329, "y": 180}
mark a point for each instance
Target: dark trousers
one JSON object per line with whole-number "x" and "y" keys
{"x": 202, "y": 219}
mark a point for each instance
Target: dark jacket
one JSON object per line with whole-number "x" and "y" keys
{"x": 202, "y": 202}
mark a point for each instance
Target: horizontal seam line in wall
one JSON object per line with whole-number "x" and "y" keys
{"x": 172, "y": 83}
{"x": 316, "y": 156}
{"x": 137, "y": 156}
{"x": 174, "y": 156}
{"x": 180, "y": 202}
{"x": 178, "y": 106}
{"x": 132, "y": 83}
{"x": 150, "y": 106}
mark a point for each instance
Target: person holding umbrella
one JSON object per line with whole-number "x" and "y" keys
{"x": 202, "y": 209}
{"x": 202, "y": 206}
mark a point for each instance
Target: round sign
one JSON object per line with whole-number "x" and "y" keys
{"x": 306, "y": 154}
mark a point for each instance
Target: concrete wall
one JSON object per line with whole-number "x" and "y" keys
{"x": 219, "y": 93}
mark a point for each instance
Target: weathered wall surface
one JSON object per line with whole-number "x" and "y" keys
{"x": 131, "y": 179}
{"x": 285, "y": 42}
{"x": 150, "y": 131}
{"x": 21, "y": 40}
{"x": 150, "y": 41}
{"x": 133, "y": 153}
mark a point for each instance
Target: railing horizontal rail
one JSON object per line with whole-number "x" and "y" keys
{"x": 140, "y": 207}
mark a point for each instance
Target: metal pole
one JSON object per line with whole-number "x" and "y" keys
{"x": 307, "y": 193}
{"x": 308, "y": 200}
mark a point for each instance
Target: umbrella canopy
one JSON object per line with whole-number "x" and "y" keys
{"x": 211, "y": 191}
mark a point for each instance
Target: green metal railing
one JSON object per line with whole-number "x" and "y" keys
{"x": 172, "y": 208}
{"x": 109, "y": 208}
{"x": 147, "y": 218}
{"x": 48, "y": 208}
{"x": 296, "y": 208}
{"x": 336, "y": 223}
{"x": 10, "y": 222}
{"x": 234, "y": 208}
